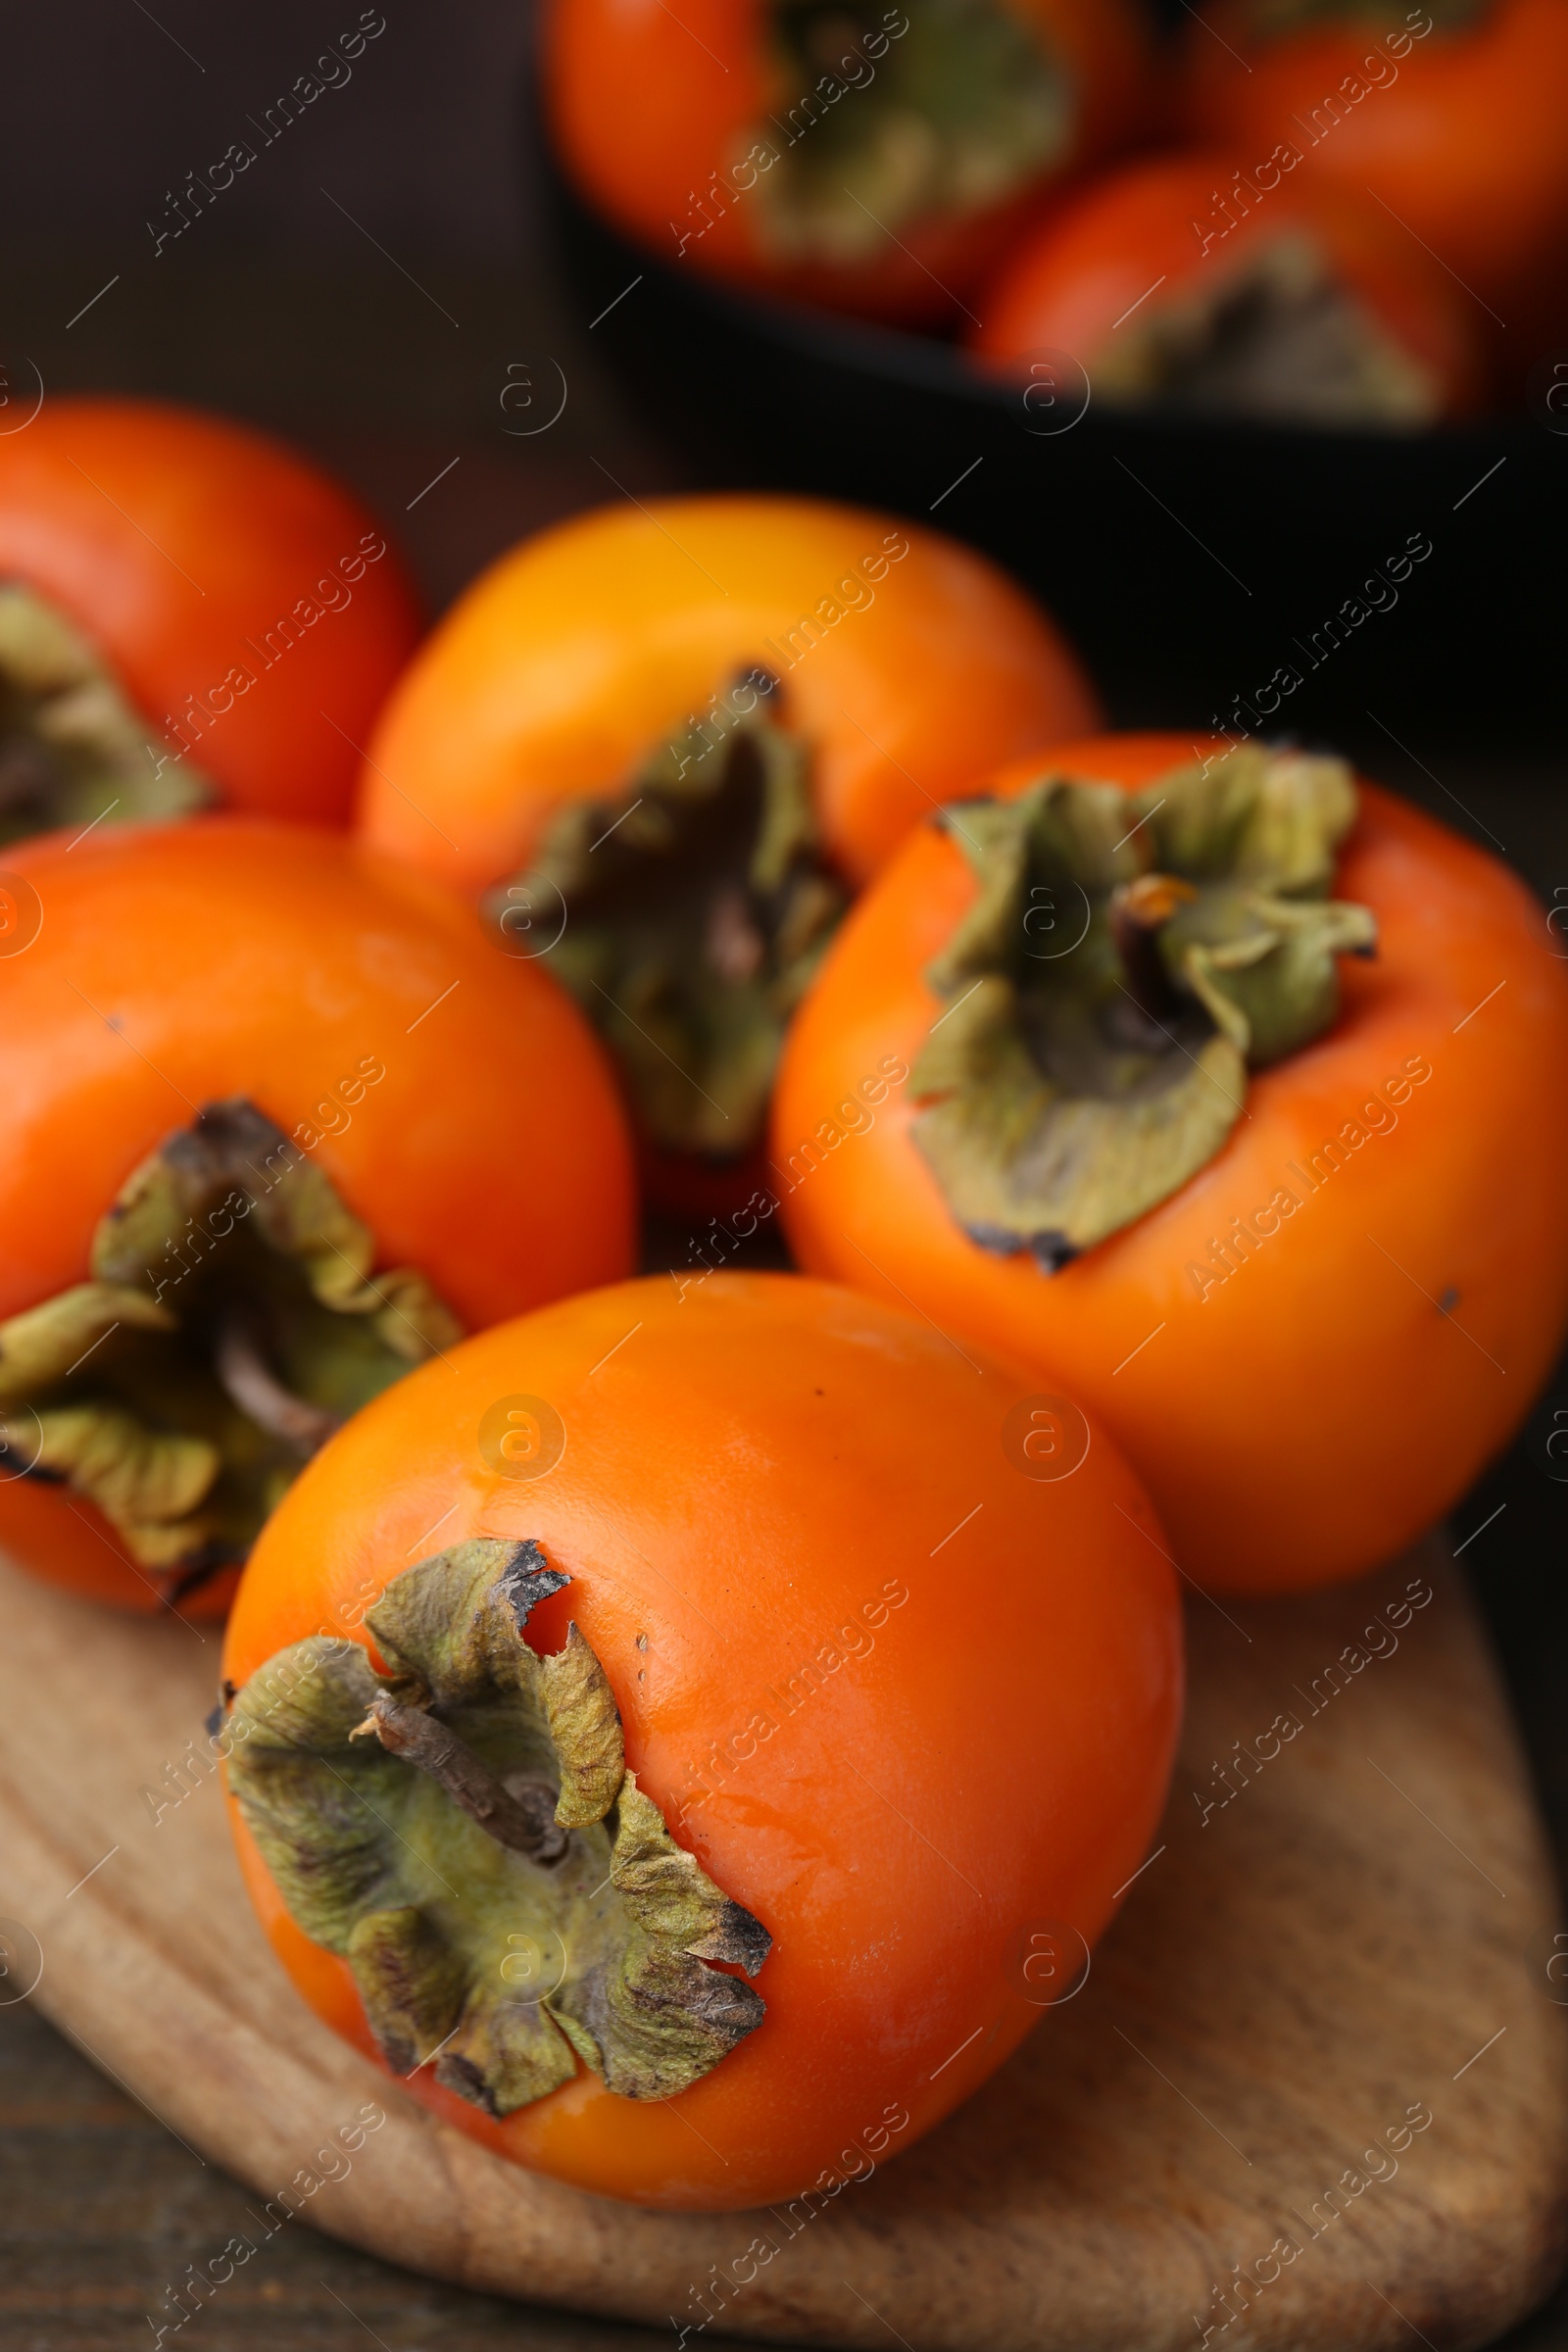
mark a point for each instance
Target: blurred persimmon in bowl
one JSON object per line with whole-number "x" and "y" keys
{"x": 1180, "y": 279}
{"x": 870, "y": 158}
{"x": 1449, "y": 116}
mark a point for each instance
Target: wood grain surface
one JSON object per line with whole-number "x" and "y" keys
{"x": 1221, "y": 2130}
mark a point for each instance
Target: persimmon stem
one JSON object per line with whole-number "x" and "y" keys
{"x": 164, "y": 1390}
{"x": 1073, "y": 1083}
{"x": 76, "y": 748}
{"x": 25, "y": 776}
{"x": 733, "y": 945}
{"x": 1137, "y": 912}
{"x": 972, "y": 103}
{"x": 521, "y": 1816}
{"x": 433, "y": 1889}
{"x": 698, "y": 910}
{"x": 261, "y": 1396}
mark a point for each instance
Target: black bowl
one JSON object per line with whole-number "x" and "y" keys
{"x": 1249, "y": 575}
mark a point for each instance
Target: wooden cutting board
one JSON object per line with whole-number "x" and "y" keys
{"x": 1350, "y": 1942}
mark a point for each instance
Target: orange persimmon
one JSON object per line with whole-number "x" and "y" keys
{"x": 190, "y": 613}
{"x": 1169, "y": 281}
{"x": 673, "y": 738}
{"x": 735, "y": 1525}
{"x": 1448, "y": 115}
{"x": 871, "y": 159}
{"x": 280, "y": 1122}
{"x": 1304, "y": 1216}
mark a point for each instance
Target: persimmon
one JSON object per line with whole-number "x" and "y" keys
{"x": 664, "y": 1809}
{"x": 1268, "y": 1177}
{"x": 871, "y": 158}
{"x": 1449, "y": 114}
{"x": 675, "y": 737}
{"x": 280, "y": 1123}
{"x": 190, "y": 614}
{"x": 1168, "y": 283}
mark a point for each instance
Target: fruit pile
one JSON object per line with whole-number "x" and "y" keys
{"x": 659, "y": 1712}
{"x": 1319, "y": 212}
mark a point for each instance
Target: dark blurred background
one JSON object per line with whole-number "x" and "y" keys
{"x": 365, "y": 284}
{"x": 356, "y": 287}
{"x": 361, "y": 287}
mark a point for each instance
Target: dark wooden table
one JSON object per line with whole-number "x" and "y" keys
{"x": 101, "y": 2209}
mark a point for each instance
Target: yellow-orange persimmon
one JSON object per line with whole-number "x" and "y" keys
{"x": 1311, "y": 1288}
{"x": 191, "y": 613}
{"x": 910, "y": 664}
{"x": 875, "y": 162}
{"x": 762, "y": 1508}
{"x": 672, "y": 740}
{"x": 280, "y": 1122}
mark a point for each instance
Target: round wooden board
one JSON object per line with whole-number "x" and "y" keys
{"x": 1355, "y": 1940}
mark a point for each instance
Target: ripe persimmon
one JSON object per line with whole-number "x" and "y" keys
{"x": 1168, "y": 280}
{"x": 675, "y": 737}
{"x": 1448, "y": 115}
{"x": 873, "y": 159}
{"x": 1303, "y": 1213}
{"x": 190, "y": 613}
{"x": 682, "y": 1686}
{"x": 280, "y": 1122}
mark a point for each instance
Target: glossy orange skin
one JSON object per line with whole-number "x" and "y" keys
{"x": 755, "y": 1460}
{"x": 578, "y": 653}
{"x": 1302, "y": 1420}
{"x": 1070, "y": 285}
{"x": 1465, "y": 146}
{"x": 180, "y": 964}
{"x": 178, "y": 542}
{"x": 646, "y": 109}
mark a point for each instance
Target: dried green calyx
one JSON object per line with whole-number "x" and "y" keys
{"x": 72, "y": 748}
{"x": 880, "y": 118}
{"x": 696, "y": 913}
{"x": 1128, "y": 958}
{"x": 230, "y": 1323}
{"x": 463, "y": 1831}
{"x": 1277, "y": 338}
